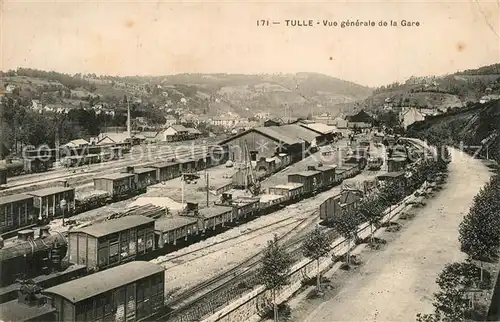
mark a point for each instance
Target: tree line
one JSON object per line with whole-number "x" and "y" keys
{"x": 277, "y": 262}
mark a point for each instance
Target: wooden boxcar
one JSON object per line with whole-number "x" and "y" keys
{"x": 144, "y": 177}
{"x": 47, "y": 202}
{"x": 310, "y": 179}
{"x": 328, "y": 174}
{"x": 214, "y": 217}
{"x": 16, "y": 211}
{"x": 290, "y": 190}
{"x": 244, "y": 207}
{"x": 188, "y": 165}
{"x": 129, "y": 292}
{"x": 166, "y": 171}
{"x": 170, "y": 230}
{"x": 112, "y": 242}
{"x": 116, "y": 184}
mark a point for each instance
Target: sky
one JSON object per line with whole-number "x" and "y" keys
{"x": 163, "y": 38}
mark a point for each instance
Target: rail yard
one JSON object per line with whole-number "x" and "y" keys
{"x": 201, "y": 217}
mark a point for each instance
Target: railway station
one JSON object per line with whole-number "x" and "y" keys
{"x": 145, "y": 211}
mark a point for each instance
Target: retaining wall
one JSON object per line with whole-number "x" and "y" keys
{"x": 249, "y": 305}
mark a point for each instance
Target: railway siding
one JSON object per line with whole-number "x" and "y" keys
{"x": 247, "y": 307}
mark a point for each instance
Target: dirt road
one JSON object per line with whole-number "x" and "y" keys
{"x": 399, "y": 282}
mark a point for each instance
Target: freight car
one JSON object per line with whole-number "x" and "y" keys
{"x": 339, "y": 204}
{"x": 112, "y": 242}
{"x": 16, "y": 212}
{"x": 30, "y": 256}
{"x": 131, "y": 292}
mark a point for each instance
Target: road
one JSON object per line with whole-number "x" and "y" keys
{"x": 398, "y": 283}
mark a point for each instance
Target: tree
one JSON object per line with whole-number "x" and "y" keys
{"x": 371, "y": 209}
{"x": 391, "y": 193}
{"x": 451, "y": 302}
{"x": 276, "y": 265}
{"x": 316, "y": 245}
{"x": 479, "y": 232}
{"x": 347, "y": 226}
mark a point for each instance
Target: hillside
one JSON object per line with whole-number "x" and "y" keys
{"x": 457, "y": 90}
{"x": 210, "y": 94}
{"x": 472, "y": 127}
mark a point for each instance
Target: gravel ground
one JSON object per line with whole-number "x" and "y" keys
{"x": 398, "y": 282}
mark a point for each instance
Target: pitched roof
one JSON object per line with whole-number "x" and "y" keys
{"x": 115, "y": 137}
{"x": 77, "y": 142}
{"x": 91, "y": 285}
{"x": 362, "y": 116}
{"x": 115, "y": 225}
{"x": 193, "y": 131}
{"x": 49, "y": 191}
{"x": 179, "y": 127}
{"x": 14, "y": 198}
{"x": 319, "y": 127}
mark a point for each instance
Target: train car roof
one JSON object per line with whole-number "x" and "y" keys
{"x": 14, "y": 198}
{"x": 15, "y": 311}
{"x": 306, "y": 173}
{"x": 113, "y": 226}
{"x": 49, "y": 191}
{"x": 214, "y": 211}
{"x": 89, "y": 286}
{"x": 326, "y": 167}
{"x": 115, "y": 176}
{"x": 289, "y": 186}
{"x": 143, "y": 170}
{"x": 168, "y": 224}
{"x": 164, "y": 164}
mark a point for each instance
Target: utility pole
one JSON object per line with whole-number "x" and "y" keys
{"x": 182, "y": 198}
{"x": 206, "y": 174}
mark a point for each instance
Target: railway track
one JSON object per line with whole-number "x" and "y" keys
{"x": 276, "y": 225}
{"x": 86, "y": 177}
{"x": 196, "y": 296}
{"x": 136, "y": 150}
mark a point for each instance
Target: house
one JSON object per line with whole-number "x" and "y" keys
{"x": 339, "y": 122}
{"x": 224, "y": 121}
{"x": 360, "y": 120}
{"x": 193, "y": 133}
{"x": 150, "y": 136}
{"x": 113, "y": 138}
{"x": 175, "y": 132}
{"x": 170, "y": 120}
{"x": 410, "y": 116}
{"x": 78, "y": 143}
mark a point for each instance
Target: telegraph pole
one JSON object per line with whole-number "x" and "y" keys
{"x": 206, "y": 174}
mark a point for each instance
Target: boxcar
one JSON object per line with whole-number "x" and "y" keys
{"x": 327, "y": 174}
{"x": 130, "y": 292}
{"x": 188, "y": 165}
{"x": 214, "y": 217}
{"x": 330, "y": 208}
{"x": 16, "y": 211}
{"x": 244, "y": 207}
{"x": 112, "y": 242}
{"x": 116, "y": 184}
{"x": 144, "y": 177}
{"x": 166, "y": 171}
{"x": 290, "y": 190}
{"x": 169, "y": 230}
{"x": 47, "y": 202}
{"x": 310, "y": 179}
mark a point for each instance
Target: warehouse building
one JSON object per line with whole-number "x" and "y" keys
{"x": 268, "y": 141}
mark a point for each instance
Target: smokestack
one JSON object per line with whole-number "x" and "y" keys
{"x": 128, "y": 119}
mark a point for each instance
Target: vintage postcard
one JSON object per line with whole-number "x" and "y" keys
{"x": 249, "y": 161}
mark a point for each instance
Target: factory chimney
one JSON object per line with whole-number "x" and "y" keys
{"x": 128, "y": 119}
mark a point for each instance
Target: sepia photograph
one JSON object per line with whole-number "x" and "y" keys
{"x": 249, "y": 161}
